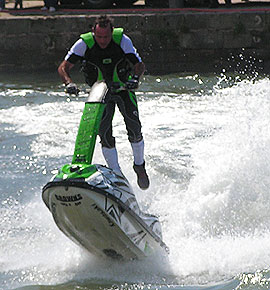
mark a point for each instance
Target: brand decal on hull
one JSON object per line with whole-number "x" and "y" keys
{"x": 69, "y": 198}
{"x": 137, "y": 237}
{"x": 111, "y": 224}
{"x": 112, "y": 211}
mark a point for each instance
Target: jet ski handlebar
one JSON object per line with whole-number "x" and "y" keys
{"x": 101, "y": 91}
{"x": 102, "y": 88}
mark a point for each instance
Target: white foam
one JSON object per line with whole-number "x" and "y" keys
{"x": 219, "y": 224}
{"x": 208, "y": 159}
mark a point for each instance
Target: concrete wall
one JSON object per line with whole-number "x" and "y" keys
{"x": 182, "y": 41}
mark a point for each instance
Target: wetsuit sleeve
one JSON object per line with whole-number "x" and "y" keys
{"x": 76, "y": 52}
{"x": 130, "y": 50}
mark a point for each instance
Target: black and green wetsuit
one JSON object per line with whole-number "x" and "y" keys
{"x": 112, "y": 64}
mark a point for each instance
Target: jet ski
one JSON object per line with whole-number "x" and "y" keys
{"x": 94, "y": 205}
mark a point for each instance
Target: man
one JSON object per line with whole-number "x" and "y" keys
{"x": 49, "y": 5}
{"x": 2, "y": 4}
{"x": 108, "y": 54}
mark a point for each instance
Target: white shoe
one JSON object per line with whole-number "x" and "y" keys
{"x": 52, "y": 9}
{"x": 44, "y": 8}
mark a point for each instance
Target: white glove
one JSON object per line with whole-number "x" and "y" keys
{"x": 72, "y": 89}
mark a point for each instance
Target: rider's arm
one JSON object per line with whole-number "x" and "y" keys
{"x": 64, "y": 71}
{"x": 75, "y": 54}
{"x": 132, "y": 55}
{"x": 139, "y": 69}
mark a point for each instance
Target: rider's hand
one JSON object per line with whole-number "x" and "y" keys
{"x": 133, "y": 83}
{"x": 72, "y": 89}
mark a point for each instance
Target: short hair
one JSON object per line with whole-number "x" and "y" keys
{"x": 103, "y": 21}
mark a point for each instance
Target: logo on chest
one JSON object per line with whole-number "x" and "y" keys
{"x": 107, "y": 61}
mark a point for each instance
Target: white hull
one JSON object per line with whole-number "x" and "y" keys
{"x": 102, "y": 215}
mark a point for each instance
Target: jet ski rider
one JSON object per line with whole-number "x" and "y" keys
{"x": 108, "y": 54}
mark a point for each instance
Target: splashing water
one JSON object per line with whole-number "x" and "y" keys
{"x": 207, "y": 153}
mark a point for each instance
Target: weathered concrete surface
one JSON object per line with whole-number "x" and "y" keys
{"x": 181, "y": 40}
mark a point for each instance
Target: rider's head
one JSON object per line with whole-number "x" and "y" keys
{"x": 102, "y": 30}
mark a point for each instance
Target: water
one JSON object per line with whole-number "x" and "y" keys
{"x": 207, "y": 153}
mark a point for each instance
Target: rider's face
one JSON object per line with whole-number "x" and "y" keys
{"x": 103, "y": 35}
